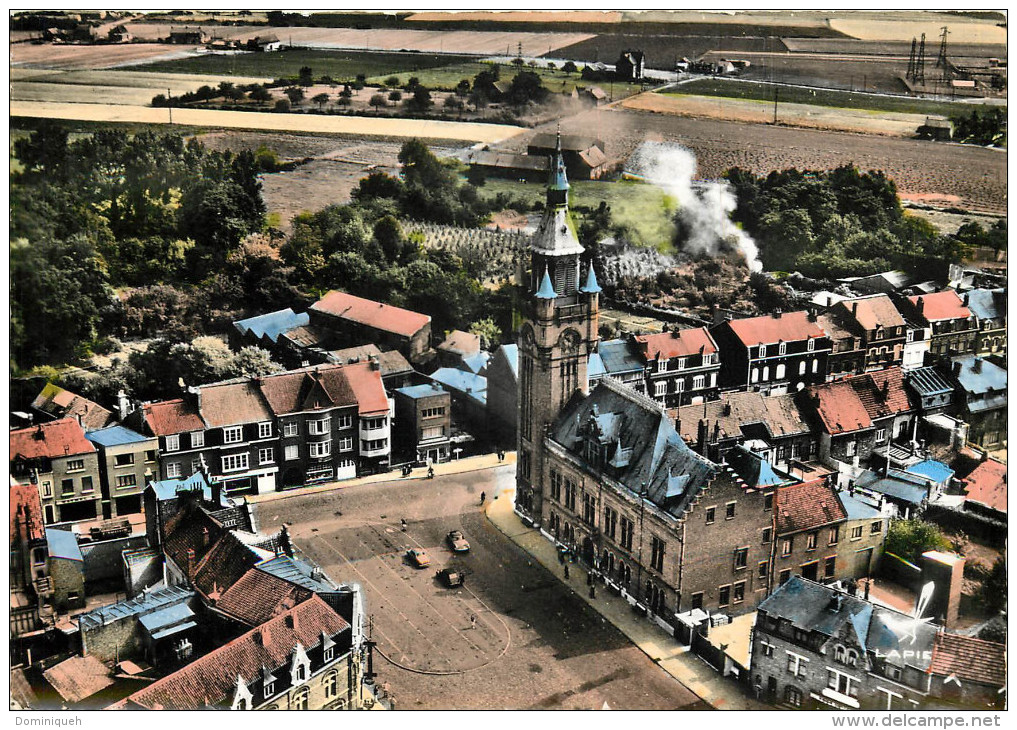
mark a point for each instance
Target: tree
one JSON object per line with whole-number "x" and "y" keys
{"x": 378, "y": 185}
{"x": 395, "y": 96}
{"x": 389, "y": 235}
{"x": 488, "y": 331}
{"x": 44, "y": 152}
{"x": 282, "y": 106}
{"x": 518, "y": 62}
{"x": 392, "y": 81}
{"x": 551, "y": 66}
{"x": 526, "y": 87}
{"x": 569, "y": 67}
{"x": 295, "y": 94}
{"x": 421, "y": 99}
{"x": 908, "y": 539}
{"x": 306, "y": 76}
{"x": 463, "y": 88}
{"x": 993, "y": 591}
{"x": 378, "y": 101}
{"x": 321, "y": 100}
{"x": 260, "y": 94}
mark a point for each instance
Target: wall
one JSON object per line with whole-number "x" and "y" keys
{"x": 103, "y": 561}
{"x": 113, "y": 641}
{"x": 852, "y": 560}
{"x": 68, "y": 578}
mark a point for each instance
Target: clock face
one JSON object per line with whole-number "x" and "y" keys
{"x": 570, "y": 341}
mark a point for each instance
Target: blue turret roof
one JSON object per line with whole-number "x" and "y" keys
{"x": 546, "y": 290}
{"x": 558, "y": 180}
{"x": 591, "y": 286}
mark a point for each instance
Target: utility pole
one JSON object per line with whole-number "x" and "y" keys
{"x": 776, "y": 93}
{"x": 169, "y": 104}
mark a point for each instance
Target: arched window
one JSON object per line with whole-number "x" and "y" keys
{"x": 300, "y": 698}
{"x": 331, "y": 683}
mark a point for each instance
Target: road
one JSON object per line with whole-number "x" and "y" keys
{"x": 514, "y": 637}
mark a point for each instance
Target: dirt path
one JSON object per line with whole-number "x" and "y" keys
{"x": 314, "y": 123}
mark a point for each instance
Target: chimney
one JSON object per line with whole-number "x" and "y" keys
{"x": 956, "y": 368}
{"x": 920, "y": 305}
{"x": 777, "y": 312}
{"x": 702, "y": 435}
{"x": 727, "y": 408}
{"x": 190, "y": 563}
{"x": 976, "y": 366}
{"x": 885, "y": 390}
{"x": 854, "y": 309}
{"x": 290, "y": 621}
{"x": 374, "y": 363}
{"x": 124, "y": 408}
{"x": 40, "y": 434}
{"x": 257, "y": 638}
{"x": 284, "y": 540}
{"x": 812, "y": 316}
{"x": 204, "y": 536}
{"x": 964, "y": 300}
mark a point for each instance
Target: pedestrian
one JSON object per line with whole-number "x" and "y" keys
{"x": 593, "y": 590}
{"x": 566, "y": 571}
{"x": 430, "y": 472}
{"x": 483, "y": 496}
{"x": 473, "y": 621}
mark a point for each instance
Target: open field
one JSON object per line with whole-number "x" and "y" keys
{"x": 589, "y": 16}
{"x": 837, "y": 71}
{"x": 644, "y": 209}
{"x": 316, "y": 123}
{"x": 107, "y": 87}
{"x": 342, "y": 65}
{"x": 888, "y": 48}
{"x": 70, "y": 57}
{"x": 968, "y": 177}
{"x": 962, "y": 30}
{"x": 761, "y": 112}
{"x": 736, "y": 89}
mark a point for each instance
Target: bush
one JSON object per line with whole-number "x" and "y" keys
{"x": 282, "y": 105}
{"x": 910, "y": 538}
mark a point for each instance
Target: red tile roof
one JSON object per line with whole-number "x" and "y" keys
{"x": 872, "y": 311}
{"x": 223, "y": 566}
{"x": 191, "y": 529}
{"x": 78, "y": 678}
{"x": 308, "y": 389}
{"x": 969, "y": 659}
{"x": 50, "y": 440}
{"x": 676, "y": 343}
{"x": 986, "y": 485}
{"x": 774, "y": 328}
{"x": 259, "y": 596}
{"x": 779, "y": 413}
{"x": 882, "y": 392}
{"x": 172, "y": 416}
{"x": 380, "y": 316}
{"x": 212, "y": 679}
{"x": 232, "y": 403}
{"x": 462, "y": 343}
{"x": 26, "y": 513}
{"x": 367, "y": 387}
{"x": 61, "y": 403}
{"x": 839, "y": 407}
{"x": 807, "y": 506}
{"x": 941, "y": 305}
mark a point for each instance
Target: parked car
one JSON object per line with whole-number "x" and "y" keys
{"x": 418, "y": 558}
{"x": 451, "y": 577}
{"x": 457, "y": 542}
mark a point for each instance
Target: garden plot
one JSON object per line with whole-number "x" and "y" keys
{"x": 497, "y": 253}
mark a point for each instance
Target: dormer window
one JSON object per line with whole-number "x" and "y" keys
{"x": 662, "y": 365}
{"x": 782, "y": 348}
{"x": 329, "y": 654}
{"x": 242, "y": 697}
{"x": 300, "y": 665}
{"x": 762, "y": 350}
{"x": 681, "y": 363}
{"x": 811, "y": 344}
{"x": 879, "y": 333}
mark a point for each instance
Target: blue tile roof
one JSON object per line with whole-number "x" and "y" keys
{"x": 158, "y": 620}
{"x": 272, "y": 324}
{"x": 897, "y": 485}
{"x": 469, "y": 384}
{"x": 476, "y": 362}
{"x": 619, "y": 358}
{"x": 591, "y": 286}
{"x": 63, "y": 544}
{"x": 987, "y": 303}
{"x": 936, "y": 471}
{"x": 420, "y": 391}
{"x": 753, "y": 468}
{"x": 168, "y": 488}
{"x": 595, "y": 368}
{"x": 141, "y": 604}
{"x": 298, "y": 572}
{"x": 546, "y": 290}
{"x": 987, "y": 377}
{"x": 115, "y": 436}
{"x": 857, "y": 509}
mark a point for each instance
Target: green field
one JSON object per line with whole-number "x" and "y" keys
{"x": 820, "y": 97}
{"x": 643, "y": 209}
{"x": 341, "y": 65}
{"x": 446, "y": 77}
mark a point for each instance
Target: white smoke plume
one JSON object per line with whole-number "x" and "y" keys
{"x": 705, "y": 209}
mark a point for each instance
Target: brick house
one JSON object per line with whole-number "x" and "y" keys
{"x": 353, "y": 321}
{"x": 127, "y": 460}
{"x": 299, "y": 660}
{"x": 423, "y": 417}
{"x": 981, "y": 400}
{"x": 54, "y": 402}
{"x": 989, "y": 308}
{"x": 682, "y": 366}
{"x": 846, "y": 354}
{"x": 65, "y": 567}
{"x": 881, "y": 329}
{"x": 180, "y": 430}
{"x": 27, "y": 535}
{"x": 861, "y": 537}
{"x": 774, "y": 354}
{"x": 63, "y": 464}
{"x": 809, "y": 524}
{"x": 954, "y": 327}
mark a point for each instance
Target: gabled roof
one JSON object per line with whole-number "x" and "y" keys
{"x": 460, "y": 381}
{"x": 63, "y": 544}
{"x": 646, "y": 448}
{"x": 380, "y": 316}
{"x": 939, "y": 306}
{"x": 969, "y": 659}
{"x": 461, "y": 343}
{"x": 839, "y": 408}
{"x": 779, "y": 414}
{"x": 873, "y": 311}
{"x": 569, "y": 142}
{"x": 223, "y": 565}
{"x": 882, "y": 392}
{"x": 169, "y": 488}
{"x": 50, "y": 440}
{"x": 987, "y": 304}
{"x": 307, "y": 389}
{"x": 619, "y": 357}
{"x": 476, "y": 362}
{"x": 78, "y": 678}
{"x": 165, "y": 418}
{"x": 306, "y": 336}
{"x": 753, "y": 469}
{"x": 273, "y": 324}
{"x": 843, "y": 339}
{"x": 774, "y": 328}
{"x": 511, "y": 355}
{"x": 935, "y": 471}
{"x": 909, "y": 488}
{"x": 807, "y": 506}
{"x": 392, "y": 362}
{"x": 856, "y": 509}
{"x": 191, "y": 529}
{"x": 978, "y": 376}
{"x": 26, "y": 512}
{"x": 367, "y": 387}
{"x": 233, "y": 403}
{"x": 141, "y": 604}
{"x": 299, "y": 572}
{"x": 258, "y": 596}
{"x": 927, "y": 382}
{"x": 986, "y": 485}
{"x": 116, "y": 436}
{"x": 676, "y": 343}
{"x": 211, "y": 679}
{"x": 60, "y": 403}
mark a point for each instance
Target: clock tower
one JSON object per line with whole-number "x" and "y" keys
{"x": 557, "y": 336}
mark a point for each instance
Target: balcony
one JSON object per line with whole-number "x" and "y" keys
{"x": 372, "y": 434}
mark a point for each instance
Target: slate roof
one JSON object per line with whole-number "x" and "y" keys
{"x": 497, "y": 158}
{"x": 186, "y": 530}
{"x": 78, "y": 678}
{"x": 232, "y": 403}
{"x": 258, "y": 596}
{"x": 298, "y": 572}
{"x": 752, "y": 468}
{"x": 391, "y": 362}
{"x": 940, "y": 305}
{"x": 969, "y": 659}
{"x": 139, "y": 605}
{"x": 273, "y": 324}
{"x": 927, "y": 382}
{"x": 223, "y": 565}
{"x": 421, "y": 391}
{"x": 555, "y": 235}
{"x": 511, "y": 354}
{"x": 842, "y": 338}
{"x": 307, "y": 389}
{"x": 306, "y": 335}
{"x": 595, "y": 366}
{"x": 367, "y": 387}
{"x": 646, "y": 446}
{"x": 898, "y": 485}
{"x": 61, "y": 403}
{"x": 807, "y": 506}
{"x": 676, "y": 343}
{"x": 856, "y": 509}
{"x": 619, "y": 358}
{"x": 574, "y": 142}
{"x": 771, "y": 329}
{"x": 380, "y": 316}
{"x": 987, "y": 304}
{"x": 115, "y": 436}
{"x": 988, "y": 383}
{"x": 469, "y": 384}
{"x": 986, "y": 485}
{"x": 168, "y": 488}
{"x": 461, "y": 343}
{"x": 211, "y": 679}
{"x": 51, "y": 440}
{"x": 779, "y": 414}
{"x": 172, "y": 416}
{"x": 176, "y": 615}
{"x": 871, "y": 311}
{"x": 62, "y": 544}
{"x": 476, "y": 362}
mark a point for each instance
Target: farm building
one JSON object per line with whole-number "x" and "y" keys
{"x": 264, "y": 44}
{"x": 629, "y": 66}
{"x": 187, "y": 36}
{"x": 584, "y": 157}
{"x": 936, "y": 128}
{"x": 508, "y": 165}
{"x": 119, "y": 34}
